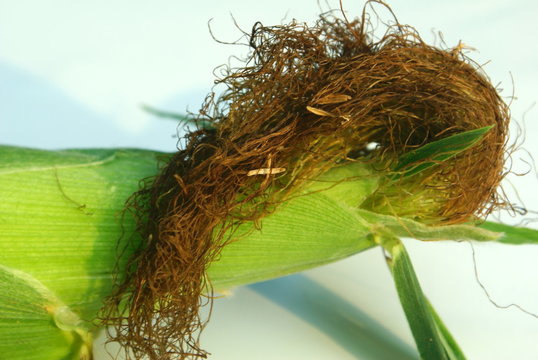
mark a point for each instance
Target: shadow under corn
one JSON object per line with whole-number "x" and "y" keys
{"x": 344, "y": 323}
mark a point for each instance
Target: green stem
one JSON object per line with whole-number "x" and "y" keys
{"x": 431, "y": 336}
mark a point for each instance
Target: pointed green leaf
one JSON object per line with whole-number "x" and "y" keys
{"x": 451, "y": 346}
{"x": 432, "y": 341}
{"x": 418, "y": 160}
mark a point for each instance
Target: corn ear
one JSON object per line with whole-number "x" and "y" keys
{"x": 62, "y": 223}
{"x": 62, "y": 215}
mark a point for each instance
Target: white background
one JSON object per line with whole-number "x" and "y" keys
{"x": 75, "y": 74}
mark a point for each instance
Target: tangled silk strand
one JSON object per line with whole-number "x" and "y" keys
{"x": 306, "y": 99}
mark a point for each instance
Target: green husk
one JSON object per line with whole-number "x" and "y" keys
{"x": 316, "y": 227}
{"x": 35, "y": 324}
{"x": 62, "y": 216}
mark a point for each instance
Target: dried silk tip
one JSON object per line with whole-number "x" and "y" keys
{"x": 308, "y": 99}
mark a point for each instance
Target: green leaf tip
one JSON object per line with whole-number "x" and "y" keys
{"x": 431, "y": 154}
{"x": 513, "y": 235}
{"x": 183, "y": 119}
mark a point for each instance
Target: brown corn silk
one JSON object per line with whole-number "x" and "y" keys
{"x": 305, "y": 99}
